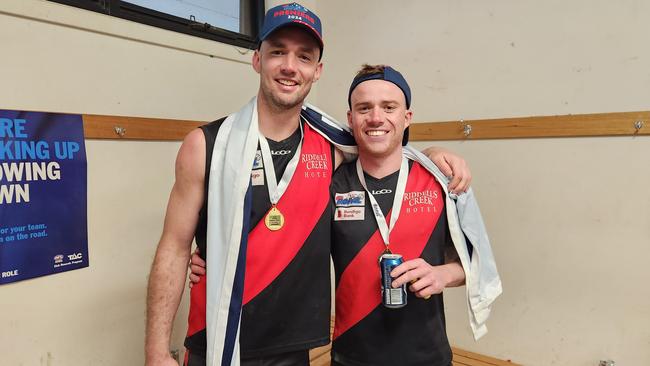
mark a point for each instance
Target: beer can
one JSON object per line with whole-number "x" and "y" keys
{"x": 391, "y": 297}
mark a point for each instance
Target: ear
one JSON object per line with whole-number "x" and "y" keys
{"x": 257, "y": 62}
{"x": 350, "y": 119}
{"x": 319, "y": 70}
{"x": 407, "y": 118}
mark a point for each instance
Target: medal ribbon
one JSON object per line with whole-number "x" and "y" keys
{"x": 277, "y": 189}
{"x": 385, "y": 229}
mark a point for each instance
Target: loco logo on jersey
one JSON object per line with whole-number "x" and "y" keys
{"x": 315, "y": 165}
{"x": 421, "y": 202}
{"x": 280, "y": 152}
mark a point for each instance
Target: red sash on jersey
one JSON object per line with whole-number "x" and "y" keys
{"x": 358, "y": 291}
{"x": 303, "y": 203}
{"x": 196, "y": 316}
{"x": 268, "y": 253}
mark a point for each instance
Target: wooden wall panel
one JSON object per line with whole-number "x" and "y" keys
{"x": 136, "y": 128}
{"x": 579, "y": 125}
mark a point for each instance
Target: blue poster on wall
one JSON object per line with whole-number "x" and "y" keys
{"x": 43, "y": 225}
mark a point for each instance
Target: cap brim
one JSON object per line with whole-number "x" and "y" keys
{"x": 299, "y": 24}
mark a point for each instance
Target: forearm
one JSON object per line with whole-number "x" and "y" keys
{"x": 165, "y": 289}
{"x": 451, "y": 165}
{"x": 169, "y": 268}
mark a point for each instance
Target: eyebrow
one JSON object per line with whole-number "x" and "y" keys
{"x": 275, "y": 43}
{"x": 280, "y": 44}
{"x": 381, "y": 102}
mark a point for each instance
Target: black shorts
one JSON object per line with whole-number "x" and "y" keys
{"x": 296, "y": 358}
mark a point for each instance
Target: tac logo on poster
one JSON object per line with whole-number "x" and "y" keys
{"x": 76, "y": 256}
{"x": 61, "y": 260}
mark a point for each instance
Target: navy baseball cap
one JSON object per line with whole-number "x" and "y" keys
{"x": 292, "y": 14}
{"x": 391, "y": 75}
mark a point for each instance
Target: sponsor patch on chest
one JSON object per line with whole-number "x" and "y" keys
{"x": 315, "y": 165}
{"x": 352, "y": 198}
{"x": 258, "y": 163}
{"x": 349, "y": 213}
{"x": 425, "y": 201}
{"x": 257, "y": 177}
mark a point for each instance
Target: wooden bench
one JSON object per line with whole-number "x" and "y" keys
{"x": 467, "y": 358}
{"x": 321, "y": 357}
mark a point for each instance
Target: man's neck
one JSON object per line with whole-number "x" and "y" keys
{"x": 275, "y": 123}
{"x": 381, "y": 166}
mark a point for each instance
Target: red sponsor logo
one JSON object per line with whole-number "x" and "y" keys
{"x": 296, "y": 13}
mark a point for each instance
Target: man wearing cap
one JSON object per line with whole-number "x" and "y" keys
{"x": 253, "y": 189}
{"x": 393, "y": 200}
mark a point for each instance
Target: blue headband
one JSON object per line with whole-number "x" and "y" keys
{"x": 390, "y": 75}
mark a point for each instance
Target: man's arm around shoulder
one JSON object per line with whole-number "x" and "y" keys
{"x": 452, "y": 166}
{"x": 167, "y": 277}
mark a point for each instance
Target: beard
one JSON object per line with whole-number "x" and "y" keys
{"x": 283, "y": 102}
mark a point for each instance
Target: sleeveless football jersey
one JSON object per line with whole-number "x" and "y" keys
{"x": 287, "y": 280}
{"x": 366, "y": 332}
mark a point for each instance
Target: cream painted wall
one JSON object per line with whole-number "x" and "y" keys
{"x": 494, "y": 59}
{"x": 569, "y": 219}
{"x": 102, "y": 65}
{"x": 581, "y": 296}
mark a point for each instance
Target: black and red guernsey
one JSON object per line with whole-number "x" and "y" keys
{"x": 367, "y": 333}
{"x": 287, "y": 280}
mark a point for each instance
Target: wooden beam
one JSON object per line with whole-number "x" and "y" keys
{"x": 136, "y": 128}
{"x": 578, "y": 125}
{"x": 464, "y": 357}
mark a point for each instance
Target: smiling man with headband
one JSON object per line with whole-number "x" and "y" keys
{"x": 393, "y": 203}
{"x": 386, "y": 74}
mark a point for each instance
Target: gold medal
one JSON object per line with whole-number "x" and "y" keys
{"x": 274, "y": 219}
